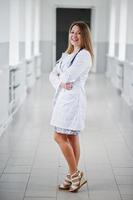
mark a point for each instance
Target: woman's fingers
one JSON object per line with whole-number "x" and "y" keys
{"x": 67, "y": 86}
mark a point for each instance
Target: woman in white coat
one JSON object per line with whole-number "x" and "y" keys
{"x": 68, "y": 78}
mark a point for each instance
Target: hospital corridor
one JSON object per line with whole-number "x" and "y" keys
{"x": 33, "y": 36}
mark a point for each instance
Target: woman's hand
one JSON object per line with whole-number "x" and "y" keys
{"x": 67, "y": 86}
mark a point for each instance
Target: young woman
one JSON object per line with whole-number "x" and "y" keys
{"x": 68, "y": 78}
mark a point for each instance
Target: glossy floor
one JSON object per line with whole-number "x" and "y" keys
{"x": 31, "y": 165}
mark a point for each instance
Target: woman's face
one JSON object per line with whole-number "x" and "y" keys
{"x": 75, "y": 36}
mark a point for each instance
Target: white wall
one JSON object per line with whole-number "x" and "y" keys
{"x": 4, "y": 61}
{"x": 4, "y": 32}
{"x": 100, "y": 23}
{"x": 123, "y": 30}
{"x": 129, "y": 32}
{"x": 4, "y": 20}
{"x": 130, "y": 22}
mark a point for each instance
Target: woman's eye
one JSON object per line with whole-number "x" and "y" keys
{"x": 75, "y": 33}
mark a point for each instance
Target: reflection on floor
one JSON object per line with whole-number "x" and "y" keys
{"x": 31, "y": 165}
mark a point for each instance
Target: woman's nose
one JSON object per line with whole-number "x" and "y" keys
{"x": 75, "y": 34}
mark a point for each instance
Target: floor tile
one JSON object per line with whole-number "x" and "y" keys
{"x": 126, "y": 189}
{"x": 14, "y": 178}
{"x": 124, "y": 180}
{"x": 8, "y": 195}
{"x": 123, "y": 171}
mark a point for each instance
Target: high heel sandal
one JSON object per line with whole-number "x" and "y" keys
{"x": 77, "y": 181}
{"x": 66, "y": 184}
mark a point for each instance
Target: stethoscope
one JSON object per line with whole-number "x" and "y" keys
{"x": 60, "y": 60}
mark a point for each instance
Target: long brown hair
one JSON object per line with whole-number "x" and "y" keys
{"x": 86, "y": 41}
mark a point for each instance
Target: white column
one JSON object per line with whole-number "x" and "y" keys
{"x": 111, "y": 50}
{"x": 22, "y": 29}
{"x": 36, "y": 27}
{"x": 122, "y": 30}
{"x": 28, "y": 29}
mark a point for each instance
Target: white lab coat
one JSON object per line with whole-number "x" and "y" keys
{"x": 69, "y": 108}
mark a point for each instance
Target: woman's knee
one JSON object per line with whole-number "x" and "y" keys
{"x": 73, "y": 138}
{"x": 59, "y": 138}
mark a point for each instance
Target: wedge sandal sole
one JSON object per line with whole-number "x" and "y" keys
{"x": 81, "y": 184}
{"x": 76, "y": 190}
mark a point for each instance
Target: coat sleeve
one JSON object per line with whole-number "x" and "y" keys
{"x": 54, "y": 77}
{"x": 81, "y": 64}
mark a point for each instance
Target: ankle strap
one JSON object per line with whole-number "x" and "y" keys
{"x": 75, "y": 173}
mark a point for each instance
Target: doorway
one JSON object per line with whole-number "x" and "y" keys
{"x": 64, "y": 18}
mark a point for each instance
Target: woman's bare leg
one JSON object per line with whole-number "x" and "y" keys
{"x": 67, "y": 151}
{"x": 74, "y": 141}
